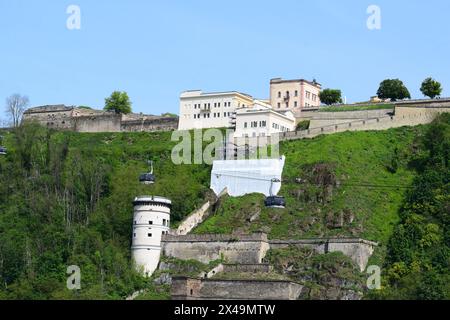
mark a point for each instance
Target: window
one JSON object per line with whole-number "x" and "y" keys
{"x": 279, "y": 105}
{"x": 296, "y": 93}
{"x": 135, "y": 222}
{"x": 287, "y": 104}
{"x": 149, "y": 235}
{"x": 150, "y": 222}
{"x": 218, "y": 105}
{"x": 134, "y": 235}
{"x": 245, "y": 124}
{"x": 295, "y": 104}
{"x": 279, "y": 94}
{"x": 164, "y": 222}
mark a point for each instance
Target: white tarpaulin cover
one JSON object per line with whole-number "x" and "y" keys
{"x": 243, "y": 177}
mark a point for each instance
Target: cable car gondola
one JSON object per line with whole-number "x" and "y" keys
{"x": 148, "y": 178}
{"x": 274, "y": 201}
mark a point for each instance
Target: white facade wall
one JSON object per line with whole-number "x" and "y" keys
{"x": 200, "y": 110}
{"x": 151, "y": 220}
{"x": 241, "y": 177}
{"x": 262, "y": 121}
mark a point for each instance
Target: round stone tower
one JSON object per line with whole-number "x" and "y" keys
{"x": 150, "y": 222}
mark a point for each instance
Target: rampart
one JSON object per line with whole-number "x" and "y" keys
{"x": 210, "y": 289}
{"x": 252, "y": 249}
{"x": 71, "y": 118}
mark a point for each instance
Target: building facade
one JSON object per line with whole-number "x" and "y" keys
{"x": 261, "y": 120}
{"x": 294, "y": 95}
{"x": 199, "y": 110}
{"x": 151, "y": 220}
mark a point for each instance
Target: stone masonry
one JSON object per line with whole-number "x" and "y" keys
{"x": 72, "y": 118}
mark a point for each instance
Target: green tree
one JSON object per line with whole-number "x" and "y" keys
{"x": 119, "y": 102}
{"x": 431, "y": 88}
{"x": 330, "y": 96}
{"x": 393, "y": 89}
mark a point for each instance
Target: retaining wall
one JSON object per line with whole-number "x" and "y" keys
{"x": 209, "y": 289}
{"x": 249, "y": 249}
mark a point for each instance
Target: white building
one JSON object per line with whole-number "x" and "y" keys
{"x": 150, "y": 222}
{"x": 260, "y": 120}
{"x": 200, "y": 110}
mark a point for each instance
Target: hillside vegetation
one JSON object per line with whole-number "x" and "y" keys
{"x": 65, "y": 199}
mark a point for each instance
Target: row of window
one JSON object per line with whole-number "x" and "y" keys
{"x": 215, "y": 115}
{"x": 149, "y": 235}
{"x": 254, "y": 124}
{"x": 287, "y": 104}
{"x": 288, "y": 94}
{"x": 311, "y": 96}
{"x": 208, "y": 105}
{"x": 276, "y": 126}
{"x": 165, "y": 222}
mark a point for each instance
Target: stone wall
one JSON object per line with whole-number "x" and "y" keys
{"x": 247, "y": 268}
{"x": 150, "y": 125}
{"x": 322, "y": 119}
{"x": 90, "y": 120}
{"x": 209, "y": 289}
{"x": 358, "y": 250}
{"x": 252, "y": 249}
{"x": 249, "y": 249}
{"x": 193, "y": 220}
{"x": 56, "y": 117}
{"x": 98, "y": 123}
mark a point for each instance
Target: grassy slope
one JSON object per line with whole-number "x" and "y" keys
{"x": 127, "y": 153}
{"x": 360, "y": 158}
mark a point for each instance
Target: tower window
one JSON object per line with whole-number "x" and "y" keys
{"x": 149, "y": 235}
{"x": 164, "y": 222}
{"x": 134, "y": 235}
{"x": 150, "y": 222}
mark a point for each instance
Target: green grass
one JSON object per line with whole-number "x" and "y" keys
{"x": 359, "y": 159}
{"x": 356, "y": 108}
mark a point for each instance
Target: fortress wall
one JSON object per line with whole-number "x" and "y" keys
{"x": 98, "y": 123}
{"x": 210, "y": 289}
{"x": 56, "y": 117}
{"x": 193, "y": 220}
{"x": 252, "y": 249}
{"x": 206, "y": 248}
{"x": 358, "y": 250}
{"x": 150, "y": 125}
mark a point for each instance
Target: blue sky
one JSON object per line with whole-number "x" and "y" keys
{"x": 156, "y": 49}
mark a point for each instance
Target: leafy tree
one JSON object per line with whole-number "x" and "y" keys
{"x": 431, "y": 88}
{"x": 393, "y": 89}
{"x": 119, "y": 102}
{"x": 330, "y": 96}
{"x": 419, "y": 251}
